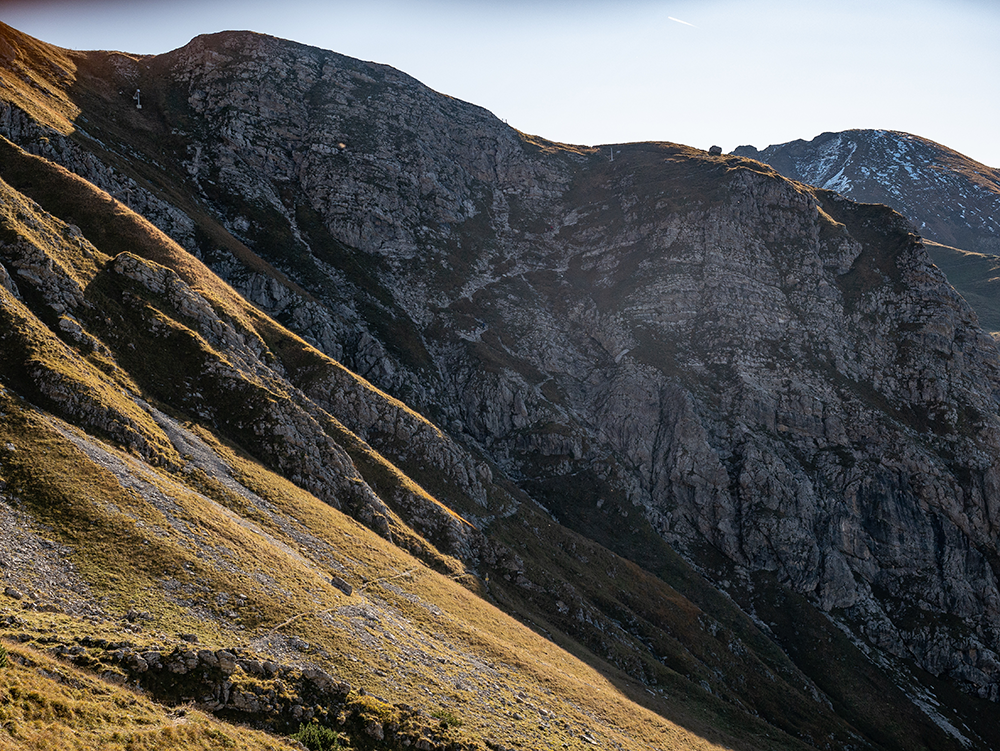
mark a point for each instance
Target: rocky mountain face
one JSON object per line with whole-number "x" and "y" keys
{"x": 952, "y": 200}
{"x": 729, "y": 440}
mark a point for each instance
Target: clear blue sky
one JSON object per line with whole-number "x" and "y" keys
{"x": 702, "y": 72}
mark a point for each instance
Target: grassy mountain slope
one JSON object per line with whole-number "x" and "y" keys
{"x": 48, "y": 704}
{"x": 185, "y": 467}
{"x": 976, "y": 276}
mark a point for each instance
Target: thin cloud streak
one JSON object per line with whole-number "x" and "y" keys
{"x": 677, "y": 20}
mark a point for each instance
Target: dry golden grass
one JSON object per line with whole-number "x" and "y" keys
{"x": 423, "y": 611}
{"x": 463, "y": 623}
{"x": 43, "y": 95}
{"x": 555, "y": 147}
{"x": 36, "y": 356}
{"x": 460, "y": 628}
{"x": 47, "y": 705}
{"x": 70, "y": 253}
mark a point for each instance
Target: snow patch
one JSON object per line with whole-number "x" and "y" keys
{"x": 833, "y": 152}
{"x": 938, "y": 719}
{"x": 838, "y": 182}
{"x": 918, "y": 694}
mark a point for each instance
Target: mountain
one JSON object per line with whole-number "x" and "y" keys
{"x": 952, "y": 200}
{"x": 333, "y": 402}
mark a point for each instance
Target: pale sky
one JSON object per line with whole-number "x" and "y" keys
{"x": 698, "y": 72}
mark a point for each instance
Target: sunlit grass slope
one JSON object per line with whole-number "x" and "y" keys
{"x": 36, "y": 78}
{"x": 47, "y": 705}
{"x": 406, "y": 633}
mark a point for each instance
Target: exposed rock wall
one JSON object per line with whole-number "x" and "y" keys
{"x": 753, "y": 367}
{"x": 809, "y": 354}
{"x": 748, "y": 363}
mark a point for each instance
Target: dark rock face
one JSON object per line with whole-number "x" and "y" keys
{"x": 772, "y": 377}
{"x": 745, "y": 369}
{"x": 738, "y": 360}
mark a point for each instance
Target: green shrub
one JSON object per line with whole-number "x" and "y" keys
{"x": 317, "y": 737}
{"x": 448, "y": 719}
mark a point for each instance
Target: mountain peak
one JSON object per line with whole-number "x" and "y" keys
{"x": 951, "y": 200}
{"x": 912, "y": 174}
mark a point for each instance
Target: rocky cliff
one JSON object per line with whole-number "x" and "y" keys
{"x": 618, "y": 361}
{"x": 952, "y": 200}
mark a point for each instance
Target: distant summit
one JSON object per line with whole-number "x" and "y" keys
{"x": 950, "y": 198}
{"x": 953, "y": 201}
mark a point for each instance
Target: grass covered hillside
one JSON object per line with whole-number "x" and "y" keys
{"x": 976, "y": 276}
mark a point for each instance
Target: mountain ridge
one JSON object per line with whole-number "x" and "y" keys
{"x": 480, "y": 275}
{"x": 868, "y": 165}
{"x": 952, "y": 200}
